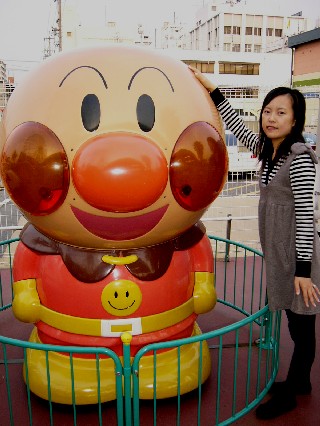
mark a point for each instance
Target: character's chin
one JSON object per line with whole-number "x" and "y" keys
{"x": 119, "y": 228}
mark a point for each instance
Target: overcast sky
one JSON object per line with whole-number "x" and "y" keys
{"x": 25, "y": 23}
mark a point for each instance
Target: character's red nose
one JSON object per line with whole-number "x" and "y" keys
{"x": 119, "y": 172}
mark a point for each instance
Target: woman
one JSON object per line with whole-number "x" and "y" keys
{"x": 288, "y": 237}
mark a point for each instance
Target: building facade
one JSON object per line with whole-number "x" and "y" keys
{"x": 6, "y": 87}
{"x": 243, "y": 78}
{"x": 244, "y": 26}
{"x": 306, "y": 73}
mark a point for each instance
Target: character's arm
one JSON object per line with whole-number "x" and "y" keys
{"x": 204, "y": 293}
{"x": 26, "y": 302}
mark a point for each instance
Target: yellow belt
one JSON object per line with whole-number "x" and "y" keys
{"x": 114, "y": 328}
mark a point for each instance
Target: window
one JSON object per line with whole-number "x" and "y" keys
{"x": 231, "y": 139}
{"x": 257, "y": 48}
{"x": 238, "y": 68}
{"x": 206, "y": 67}
{"x": 227, "y": 29}
{"x": 236, "y": 30}
{"x": 242, "y": 112}
{"x": 225, "y": 68}
{"x": 248, "y": 48}
{"x": 9, "y": 88}
{"x": 227, "y": 47}
{"x": 69, "y": 33}
{"x": 240, "y": 92}
{"x": 236, "y": 47}
{"x": 278, "y": 32}
{"x": 257, "y": 31}
{"x": 248, "y": 30}
{"x": 269, "y": 32}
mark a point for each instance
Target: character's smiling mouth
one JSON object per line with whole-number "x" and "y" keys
{"x": 122, "y": 309}
{"x": 119, "y": 228}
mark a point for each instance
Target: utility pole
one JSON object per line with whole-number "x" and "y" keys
{"x": 54, "y": 40}
{"x": 60, "y": 25}
{"x": 58, "y": 30}
{"x": 48, "y": 50}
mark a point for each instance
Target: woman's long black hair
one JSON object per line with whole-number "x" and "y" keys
{"x": 265, "y": 148}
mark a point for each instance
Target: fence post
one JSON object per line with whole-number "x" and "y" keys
{"x": 228, "y": 235}
{"x": 266, "y": 342}
{"x": 126, "y": 340}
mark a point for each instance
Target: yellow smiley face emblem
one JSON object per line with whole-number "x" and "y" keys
{"x": 121, "y": 298}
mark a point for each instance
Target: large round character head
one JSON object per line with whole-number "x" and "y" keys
{"x": 112, "y": 147}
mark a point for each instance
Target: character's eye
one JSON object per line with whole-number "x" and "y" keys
{"x": 90, "y": 112}
{"x": 35, "y": 169}
{"x": 145, "y": 113}
{"x": 198, "y": 166}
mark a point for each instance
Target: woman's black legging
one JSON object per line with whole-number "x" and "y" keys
{"x": 302, "y": 330}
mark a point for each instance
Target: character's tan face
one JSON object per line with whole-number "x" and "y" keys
{"x": 118, "y": 148}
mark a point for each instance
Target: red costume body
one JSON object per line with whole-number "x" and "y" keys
{"x": 172, "y": 287}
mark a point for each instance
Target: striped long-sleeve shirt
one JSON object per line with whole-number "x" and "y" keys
{"x": 302, "y": 178}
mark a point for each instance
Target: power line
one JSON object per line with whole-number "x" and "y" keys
{"x": 19, "y": 60}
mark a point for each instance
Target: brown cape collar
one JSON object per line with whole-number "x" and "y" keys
{"x": 86, "y": 264}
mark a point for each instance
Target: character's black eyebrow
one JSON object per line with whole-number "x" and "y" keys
{"x": 85, "y": 66}
{"x": 155, "y": 68}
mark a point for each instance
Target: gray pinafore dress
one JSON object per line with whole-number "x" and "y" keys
{"x": 277, "y": 229}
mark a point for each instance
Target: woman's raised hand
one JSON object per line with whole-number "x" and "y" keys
{"x": 203, "y": 80}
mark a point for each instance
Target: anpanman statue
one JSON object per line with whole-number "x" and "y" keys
{"x": 113, "y": 154}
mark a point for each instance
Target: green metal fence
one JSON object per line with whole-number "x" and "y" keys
{"x": 241, "y": 333}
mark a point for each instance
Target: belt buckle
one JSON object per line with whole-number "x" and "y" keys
{"x": 114, "y": 328}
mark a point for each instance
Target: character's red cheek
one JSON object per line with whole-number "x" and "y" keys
{"x": 35, "y": 169}
{"x": 198, "y": 166}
